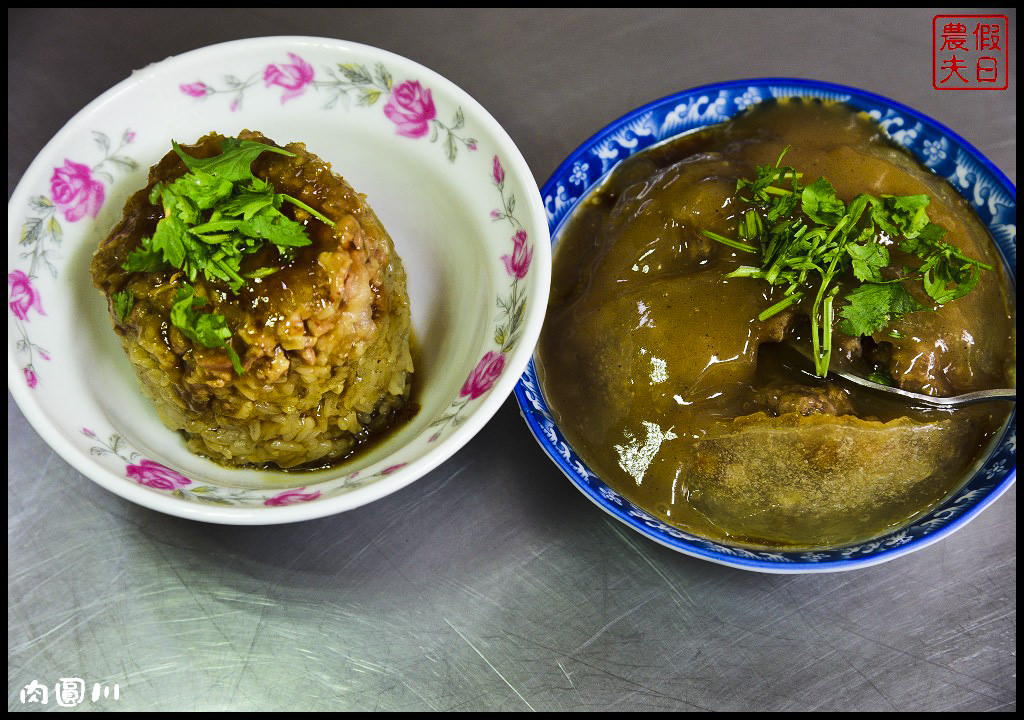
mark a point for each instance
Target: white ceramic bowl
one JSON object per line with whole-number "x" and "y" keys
{"x": 447, "y": 182}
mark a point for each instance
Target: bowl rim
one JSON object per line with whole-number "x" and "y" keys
{"x": 525, "y": 386}
{"x": 528, "y": 205}
{"x": 791, "y": 81}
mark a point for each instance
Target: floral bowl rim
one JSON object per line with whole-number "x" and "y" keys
{"x": 421, "y": 120}
{"x": 978, "y": 180}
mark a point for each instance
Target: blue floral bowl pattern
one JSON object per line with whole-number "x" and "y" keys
{"x": 987, "y": 190}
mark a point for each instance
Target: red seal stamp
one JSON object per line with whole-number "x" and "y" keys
{"x": 970, "y": 52}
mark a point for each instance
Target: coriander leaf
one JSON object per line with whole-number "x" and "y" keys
{"x": 258, "y": 184}
{"x": 177, "y": 205}
{"x": 820, "y": 203}
{"x": 203, "y": 189}
{"x": 248, "y": 204}
{"x": 123, "y": 302}
{"x": 929, "y": 237}
{"x": 273, "y": 225}
{"x": 874, "y": 306}
{"x": 168, "y": 239}
{"x": 946, "y": 273}
{"x": 868, "y": 260}
{"x": 233, "y": 163}
{"x": 197, "y": 256}
{"x": 207, "y": 329}
{"x": 144, "y": 258}
{"x": 262, "y": 272}
{"x": 902, "y": 215}
{"x": 947, "y": 278}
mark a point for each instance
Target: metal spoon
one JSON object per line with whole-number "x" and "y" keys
{"x": 804, "y": 353}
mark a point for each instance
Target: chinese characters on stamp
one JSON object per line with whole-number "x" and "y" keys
{"x": 970, "y": 52}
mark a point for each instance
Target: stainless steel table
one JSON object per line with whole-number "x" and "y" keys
{"x": 490, "y": 584}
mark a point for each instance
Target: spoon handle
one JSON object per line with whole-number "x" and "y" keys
{"x": 802, "y": 352}
{"x": 1009, "y": 394}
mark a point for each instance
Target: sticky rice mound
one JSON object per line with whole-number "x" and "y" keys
{"x": 323, "y": 341}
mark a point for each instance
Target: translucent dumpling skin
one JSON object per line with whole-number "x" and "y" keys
{"x": 829, "y": 490}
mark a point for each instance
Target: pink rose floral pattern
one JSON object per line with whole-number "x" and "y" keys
{"x": 157, "y": 476}
{"x": 408, "y": 104}
{"x": 196, "y": 89}
{"x": 486, "y": 372}
{"x": 290, "y": 497}
{"x": 293, "y": 77}
{"x": 518, "y": 262}
{"x": 76, "y": 193}
{"x": 24, "y": 298}
{"x": 511, "y": 309}
{"x": 234, "y": 87}
{"x": 411, "y": 109}
{"x": 145, "y": 472}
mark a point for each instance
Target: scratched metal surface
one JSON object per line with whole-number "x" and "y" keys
{"x": 490, "y": 584}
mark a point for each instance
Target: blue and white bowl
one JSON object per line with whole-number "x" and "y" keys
{"x": 988, "y": 191}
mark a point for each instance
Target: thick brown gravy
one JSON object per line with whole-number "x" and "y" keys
{"x": 660, "y": 375}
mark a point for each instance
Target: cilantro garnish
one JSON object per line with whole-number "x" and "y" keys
{"x": 810, "y": 241}
{"x": 123, "y": 302}
{"x": 213, "y": 216}
{"x": 208, "y": 329}
{"x": 873, "y": 306}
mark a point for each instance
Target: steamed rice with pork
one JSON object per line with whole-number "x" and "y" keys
{"x": 260, "y": 354}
